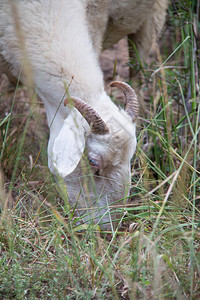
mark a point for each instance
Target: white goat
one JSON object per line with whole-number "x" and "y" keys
{"x": 62, "y": 41}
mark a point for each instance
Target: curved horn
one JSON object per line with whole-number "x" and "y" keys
{"x": 132, "y": 107}
{"x": 98, "y": 126}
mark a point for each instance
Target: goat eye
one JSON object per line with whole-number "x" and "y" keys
{"x": 93, "y": 162}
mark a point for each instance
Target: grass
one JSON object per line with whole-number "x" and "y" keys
{"x": 155, "y": 254}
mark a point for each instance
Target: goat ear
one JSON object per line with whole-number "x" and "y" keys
{"x": 68, "y": 147}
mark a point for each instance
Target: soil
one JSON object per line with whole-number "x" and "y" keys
{"x": 115, "y": 55}
{"x": 114, "y": 63}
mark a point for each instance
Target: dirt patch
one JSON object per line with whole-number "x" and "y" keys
{"x": 114, "y": 64}
{"x": 117, "y": 55}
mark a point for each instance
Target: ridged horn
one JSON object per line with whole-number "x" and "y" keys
{"x": 98, "y": 126}
{"x": 132, "y": 107}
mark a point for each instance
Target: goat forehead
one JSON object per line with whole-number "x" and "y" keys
{"x": 119, "y": 145}
{"x": 113, "y": 147}
{"x": 123, "y": 135}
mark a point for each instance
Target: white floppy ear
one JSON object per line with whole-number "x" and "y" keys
{"x": 68, "y": 147}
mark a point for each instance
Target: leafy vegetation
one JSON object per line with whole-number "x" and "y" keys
{"x": 155, "y": 254}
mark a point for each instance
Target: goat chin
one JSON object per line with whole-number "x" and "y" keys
{"x": 54, "y": 46}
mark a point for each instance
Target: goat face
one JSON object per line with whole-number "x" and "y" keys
{"x": 95, "y": 160}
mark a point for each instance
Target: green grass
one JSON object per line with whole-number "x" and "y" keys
{"x": 155, "y": 254}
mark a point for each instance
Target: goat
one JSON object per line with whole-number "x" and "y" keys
{"x": 92, "y": 141}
